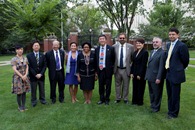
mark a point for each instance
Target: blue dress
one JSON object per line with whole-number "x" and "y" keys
{"x": 71, "y": 78}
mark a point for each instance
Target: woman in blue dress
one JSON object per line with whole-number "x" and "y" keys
{"x": 71, "y": 78}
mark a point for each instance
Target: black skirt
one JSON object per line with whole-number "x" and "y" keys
{"x": 87, "y": 83}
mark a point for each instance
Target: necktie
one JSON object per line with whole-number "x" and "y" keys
{"x": 121, "y": 57}
{"x": 57, "y": 61}
{"x": 153, "y": 53}
{"x": 169, "y": 56}
{"x": 37, "y": 58}
{"x": 101, "y": 60}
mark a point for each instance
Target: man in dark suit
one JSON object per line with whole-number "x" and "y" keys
{"x": 123, "y": 60}
{"x": 37, "y": 67}
{"x": 55, "y": 63}
{"x": 155, "y": 74}
{"x": 176, "y": 62}
{"x": 105, "y": 61}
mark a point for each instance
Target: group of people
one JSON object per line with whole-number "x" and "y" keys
{"x": 122, "y": 60}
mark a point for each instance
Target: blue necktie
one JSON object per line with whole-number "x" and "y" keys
{"x": 153, "y": 53}
{"x": 121, "y": 57}
{"x": 57, "y": 61}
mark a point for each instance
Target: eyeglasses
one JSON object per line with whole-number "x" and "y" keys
{"x": 155, "y": 42}
{"x": 122, "y": 38}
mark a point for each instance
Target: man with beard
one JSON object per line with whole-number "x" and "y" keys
{"x": 123, "y": 58}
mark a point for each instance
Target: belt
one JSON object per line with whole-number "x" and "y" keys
{"x": 121, "y": 67}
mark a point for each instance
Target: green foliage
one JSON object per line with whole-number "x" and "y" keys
{"x": 161, "y": 18}
{"x": 121, "y": 13}
{"x": 28, "y": 19}
{"x": 87, "y": 17}
{"x": 190, "y": 3}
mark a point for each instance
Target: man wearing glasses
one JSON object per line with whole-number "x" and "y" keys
{"x": 123, "y": 58}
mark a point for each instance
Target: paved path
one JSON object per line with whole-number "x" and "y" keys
{"x": 2, "y": 63}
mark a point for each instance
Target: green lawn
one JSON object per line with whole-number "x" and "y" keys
{"x": 6, "y": 58}
{"x": 80, "y": 116}
{"x": 192, "y": 62}
{"x": 192, "y": 53}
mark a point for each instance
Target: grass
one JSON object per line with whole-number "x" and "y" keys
{"x": 192, "y": 62}
{"x": 6, "y": 58}
{"x": 192, "y": 53}
{"x": 80, "y": 116}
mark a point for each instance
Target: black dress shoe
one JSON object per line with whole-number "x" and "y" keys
{"x": 170, "y": 117}
{"x": 100, "y": 102}
{"x": 154, "y": 111}
{"x": 117, "y": 101}
{"x": 140, "y": 104}
{"x": 126, "y": 101}
{"x": 106, "y": 102}
{"x": 33, "y": 105}
{"x": 61, "y": 101}
{"x": 43, "y": 102}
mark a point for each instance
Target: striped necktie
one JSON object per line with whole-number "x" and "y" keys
{"x": 37, "y": 58}
{"x": 101, "y": 59}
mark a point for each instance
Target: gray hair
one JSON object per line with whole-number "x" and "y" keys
{"x": 160, "y": 39}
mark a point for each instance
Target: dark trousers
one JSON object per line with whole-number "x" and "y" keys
{"x": 155, "y": 92}
{"x": 138, "y": 91}
{"x": 104, "y": 85}
{"x": 173, "y": 92}
{"x": 60, "y": 80}
{"x": 34, "y": 85}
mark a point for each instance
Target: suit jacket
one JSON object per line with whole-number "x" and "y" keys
{"x": 51, "y": 64}
{"x": 129, "y": 55}
{"x": 179, "y": 60}
{"x": 139, "y": 63}
{"x": 35, "y": 69}
{"x": 82, "y": 67}
{"x": 156, "y": 66}
{"x": 109, "y": 61}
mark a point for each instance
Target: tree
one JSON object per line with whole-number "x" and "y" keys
{"x": 87, "y": 17}
{"x": 29, "y": 19}
{"x": 120, "y": 12}
{"x": 161, "y": 18}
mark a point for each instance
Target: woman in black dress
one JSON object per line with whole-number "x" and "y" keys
{"x": 138, "y": 71}
{"x": 86, "y": 71}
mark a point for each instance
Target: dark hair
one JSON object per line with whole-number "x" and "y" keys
{"x": 174, "y": 30}
{"x": 18, "y": 46}
{"x": 87, "y": 44}
{"x": 35, "y": 41}
{"x": 102, "y": 35}
{"x": 73, "y": 43}
{"x": 141, "y": 40}
{"x": 123, "y": 34}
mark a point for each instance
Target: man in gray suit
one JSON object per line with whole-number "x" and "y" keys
{"x": 123, "y": 58}
{"x": 155, "y": 74}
